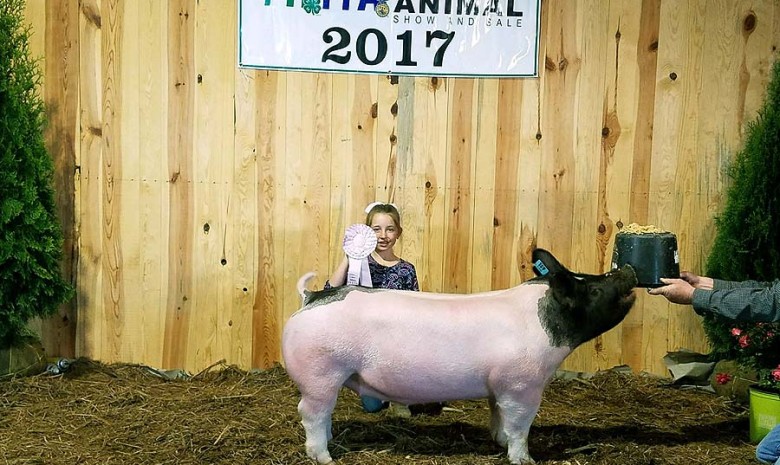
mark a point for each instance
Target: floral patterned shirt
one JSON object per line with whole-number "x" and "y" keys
{"x": 402, "y": 276}
{"x": 740, "y": 300}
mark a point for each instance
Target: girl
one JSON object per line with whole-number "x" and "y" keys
{"x": 388, "y": 271}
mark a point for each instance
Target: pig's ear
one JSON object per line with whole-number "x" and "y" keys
{"x": 545, "y": 264}
{"x": 565, "y": 288}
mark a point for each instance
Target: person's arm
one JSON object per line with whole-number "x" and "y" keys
{"x": 722, "y": 284}
{"x": 339, "y": 276}
{"x": 413, "y": 284}
{"x": 745, "y": 301}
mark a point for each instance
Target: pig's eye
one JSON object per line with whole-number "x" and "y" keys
{"x": 595, "y": 291}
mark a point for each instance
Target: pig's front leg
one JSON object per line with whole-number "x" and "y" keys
{"x": 513, "y": 414}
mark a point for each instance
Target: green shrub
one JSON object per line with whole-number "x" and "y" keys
{"x": 747, "y": 241}
{"x": 30, "y": 237}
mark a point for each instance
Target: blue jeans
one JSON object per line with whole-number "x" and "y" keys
{"x": 768, "y": 450}
{"x": 372, "y": 404}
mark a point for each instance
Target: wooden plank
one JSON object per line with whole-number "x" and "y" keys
{"x": 112, "y": 171}
{"x": 153, "y": 204}
{"x": 51, "y": 22}
{"x": 594, "y": 151}
{"x": 180, "y": 177}
{"x": 401, "y": 174}
{"x": 506, "y": 198}
{"x": 458, "y": 203}
{"x": 243, "y": 213}
{"x": 244, "y": 218}
{"x": 362, "y": 126}
{"x": 427, "y": 183}
{"x": 89, "y": 334}
{"x": 216, "y": 260}
{"x": 270, "y": 91}
{"x": 111, "y": 179}
{"x": 482, "y": 184}
{"x": 386, "y": 130}
{"x": 125, "y": 20}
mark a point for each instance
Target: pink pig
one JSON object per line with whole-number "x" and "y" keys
{"x": 420, "y": 347}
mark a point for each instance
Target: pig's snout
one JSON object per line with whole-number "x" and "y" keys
{"x": 628, "y": 281}
{"x": 627, "y": 277}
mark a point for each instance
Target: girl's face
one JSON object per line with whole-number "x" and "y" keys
{"x": 386, "y": 230}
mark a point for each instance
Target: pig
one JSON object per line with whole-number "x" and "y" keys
{"x": 422, "y": 347}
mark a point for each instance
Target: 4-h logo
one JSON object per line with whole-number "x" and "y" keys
{"x": 312, "y": 6}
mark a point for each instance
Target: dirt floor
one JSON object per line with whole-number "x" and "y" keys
{"x": 120, "y": 414}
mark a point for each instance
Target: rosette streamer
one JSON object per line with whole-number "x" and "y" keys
{"x": 359, "y": 242}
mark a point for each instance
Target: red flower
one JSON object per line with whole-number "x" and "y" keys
{"x": 723, "y": 378}
{"x": 744, "y": 341}
{"x": 776, "y": 373}
{"x": 736, "y": 331}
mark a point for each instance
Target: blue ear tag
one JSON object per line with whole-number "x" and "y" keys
{"x": 540, "y": 269}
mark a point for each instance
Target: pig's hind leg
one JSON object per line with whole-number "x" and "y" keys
{"x": 496, "y": 424}
{"x": 316, "y": 410}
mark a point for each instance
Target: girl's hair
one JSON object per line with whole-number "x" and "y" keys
{"x": 388, "y": 209}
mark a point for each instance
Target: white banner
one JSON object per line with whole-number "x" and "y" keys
{"x": 492, "y": 38}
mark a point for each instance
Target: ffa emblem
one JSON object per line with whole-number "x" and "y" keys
{"x": 382, "y": 8}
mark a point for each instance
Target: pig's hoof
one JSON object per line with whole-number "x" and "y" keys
{"x": 522, "y": 458}
{"x": 323, "y": 458}
{"x": 524, "y": 461}
{"x": 528, "y": 461}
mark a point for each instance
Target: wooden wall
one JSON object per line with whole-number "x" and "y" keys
{"x": 194, "y": 194}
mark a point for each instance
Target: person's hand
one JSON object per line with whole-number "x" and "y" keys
{"x": 698, "y": 282}
{"x": 676, "y": 290}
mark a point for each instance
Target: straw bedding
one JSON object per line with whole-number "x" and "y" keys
{"x": 125, "y": 414}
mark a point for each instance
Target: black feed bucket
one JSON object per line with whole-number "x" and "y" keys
{"x": 653, "y": 256}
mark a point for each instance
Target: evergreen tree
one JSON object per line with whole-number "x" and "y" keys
{"x": 747, "y": 240}
{"x": 30, "y": 237}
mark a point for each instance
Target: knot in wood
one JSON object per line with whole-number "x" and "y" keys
{"x": 749, "y": 23}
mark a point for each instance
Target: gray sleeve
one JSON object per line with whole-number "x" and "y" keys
{"x": 719, "y": 284}
{"x": 744, "y": 301}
